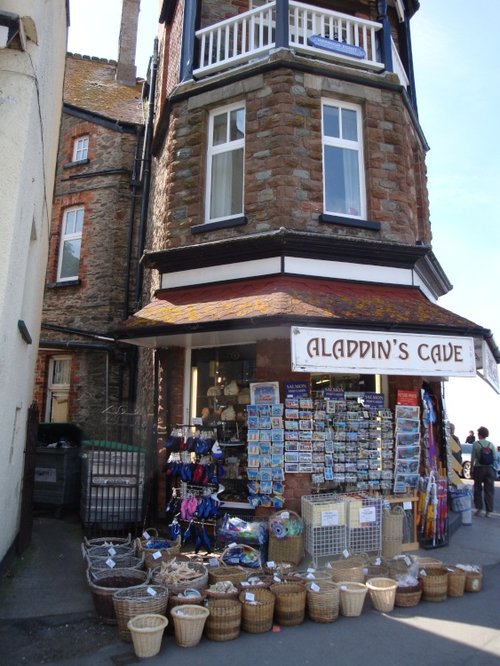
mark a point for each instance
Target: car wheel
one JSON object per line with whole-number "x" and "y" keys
{"x": 466, "y": 470}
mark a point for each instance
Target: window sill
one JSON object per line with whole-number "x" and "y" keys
{"x": 68, "y": 165}
{"x": 68, "y": 283}
{"x": 221, "y": 224}
{"x": 349, "y": 222}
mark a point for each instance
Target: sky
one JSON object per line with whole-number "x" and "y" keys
{"x": 456, "y": 74}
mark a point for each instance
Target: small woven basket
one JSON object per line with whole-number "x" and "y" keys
{"x": 189, "y": 621}
{"x": 352, "y": 598}
{"x": 408, "y": 596}
{"x": 169, "y": 573}
{"x": 473, "y": 581}
{"x": 147, "y": 632}
{"x": 154, "y": 556}
{"x": 322, "y": 601}
{"x": 224, "y": 621}
{"x": 141, "y": 600}
{"x": 290, "y": 606}
{"x": 257, "y": 616}
{"x": 353, "y": 574}
{"x": 288, "y": 548}
{"x": 234, "y": 574}
{"x": 382, "y": 593}
{"x": 103, "y": 584}
{"x": 456, "y": 581}
{"x": 107, "y": 541}
{"x": 435, "y": 584}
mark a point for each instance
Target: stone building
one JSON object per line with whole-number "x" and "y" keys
{"x": 289, "y": 237}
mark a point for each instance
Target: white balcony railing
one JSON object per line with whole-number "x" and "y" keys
{"x": 319, "y": 32}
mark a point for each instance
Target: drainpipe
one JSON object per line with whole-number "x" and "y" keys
{"x": 133, "y": 206}
{"x": 188, "y": 47}
{"x": 146, "y": 172}
{"x": 282, "y": 37}
{"x": 385, "y": 41}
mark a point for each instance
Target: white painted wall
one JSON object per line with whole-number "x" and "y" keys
{"x": 31, "y": 83}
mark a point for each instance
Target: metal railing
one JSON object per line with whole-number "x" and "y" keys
{"x": 312, "y": 30}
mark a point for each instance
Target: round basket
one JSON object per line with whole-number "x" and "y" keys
{"x": 322, "y": 601}
{"x": 103, "y": 584}
{"x": 473, "y": 581}
{"x": 353, "y": 574}
{"x": 222, "y": 590}
{"x": 435, "y": 584}
{"x": 261, "y": 582}
{"x": 352, "y": 598}
{"x": 147, "y": 631}
{"x": 279, "y": 568}
{"x": 108, "y": 551}
{"x": 108, "y": 563}
{"x": 382, "y": 593}
{"x": 141, "y": 600}
{"x": 224, "y": 621}
{"x": 189, "y": 621}
{"x": 107, "y": 541}
{"x": 286, "y": 537}
{"x": 257, "y": 615}
{"x": 408, "y": 596}
{"x": 353, "y": 560}
{"x": 234, "y": 574}
{"x": 429, "y": 563}
{"x": 241, "y": 555}
{"x": 456, "y": 581}
{"x": 180, "y": 600}
{"x": 290, "y": 605}
{"x": 314, "y": 574}
{"x": 156, "y": 550}
{"x": 399, "y": 566}
{"x": 375, "y": 571}
{"x": 180, "y": 575}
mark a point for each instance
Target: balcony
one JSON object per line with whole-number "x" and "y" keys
{"x": 312, "y": 31}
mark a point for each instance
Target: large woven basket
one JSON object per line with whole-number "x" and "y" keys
{"x": 456, "y": 581}
{"x": 147, "y": 632}
{"x": 382, "y": 593}
{"x": 353, "y": 574}
{"x": 107, "y": 563}
{"x": 107, "y": 541}
{"x": 257, "y": 616}
{"x": 141, "y": 600}
{"x": 103, "y": 584}
{"x": 435, "y": 584}
{"x": 322, "y": 601}
{"x": 179, "y": 576}
{"x": 288, "y": 548}
{"x": 352, "y": 598}
{"x": 375, "y": 571}
{"x": 189, "y": 621}
{"x": 408, "y": 596}
{"x": 224, "y": 621}
{"x": 180, "y": 600}
{"x": 234, "y": 574}
{"x": 290, "y": 606}
{"x": 392, "y": 531}
{"x": 164, "y": 550}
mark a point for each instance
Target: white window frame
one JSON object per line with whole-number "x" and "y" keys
{"x": 80, "y": 149}
{"x": 355, "y": 145}
{"x": 66, "y": 237}
{"x": 226, "y": 147}
{"x": 56, "y": 390}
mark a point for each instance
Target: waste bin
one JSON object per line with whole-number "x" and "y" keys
{"x": 57, "y": 465}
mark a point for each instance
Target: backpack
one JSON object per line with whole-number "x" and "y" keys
{"x": 485, "y": 456}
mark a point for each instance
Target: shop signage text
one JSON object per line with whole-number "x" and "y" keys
{"x": 325, "y": 350}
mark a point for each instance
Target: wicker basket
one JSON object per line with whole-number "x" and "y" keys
{"x": 254, "y": 581}
{"x": 399, "y": 566}
{"x": 147, "y": 631}
{"x": 435, "y": 584}
{"x": 103, "y": 584}
{"x": 352, "y": 598}
{"x": 257, "y": 616}
{"x": 353, "y": 574}
{"x": 279, "y": 568}
{"x": 429, "y": 563}
{"x": 141, "y": 600}
{"x": 382, "y": 593}
{"x": 180, "y": 600}
{"x": 214, "y": 593}
{"x": 288, "y": 548}
{"x": 189, "y": 621}
{"x": 108, "y": 551}
{"x": 456, "y": 581}
{"x": 375, "y": 571}
{"x": 290, "y": 606}
{"x": 322, "y": 601}
{"x": 169, "y": 573}
{"x": 154, "y": 556}
{"x": 129, "y": 561}
{"x": 392, "y": 531}
{"x": 473, "y": 581}
{"x": 107, "y": 541}
{"x": 408, "y": 596}
{"x": 224, "y": 621}
{"x": 234, "y": 574}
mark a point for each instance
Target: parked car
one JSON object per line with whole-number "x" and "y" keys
{"x": 466, "y": 452}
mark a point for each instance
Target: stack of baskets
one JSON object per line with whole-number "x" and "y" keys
{"x": 392, "y": 531}
{"x": 286, "y": 537}
{"x": 106, "y": 557}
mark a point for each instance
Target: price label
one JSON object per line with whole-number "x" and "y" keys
{"x": 157, "y": 555}
{"x": 329, "y": 518}
{"x": 249, "y": 596}
{"x": 407, "y": 506}
{"x": 151, "y": 592}
{"x": 367, "y": 514}
{"x": 145, "y": 535}
{"x": 270, "y": 564}
{"x": 111, "y": 563}
{"x": 314, "y": 587}
{"x": 345, "y": 553}
{"x": 111, "y": 551}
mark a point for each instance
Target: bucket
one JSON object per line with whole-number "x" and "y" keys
{"x": 382, "y": 593}
{"x": 147, "y": 631}
{"x": 189, "y": 622}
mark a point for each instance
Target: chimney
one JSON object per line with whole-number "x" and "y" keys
{"x": 125, "y": 68}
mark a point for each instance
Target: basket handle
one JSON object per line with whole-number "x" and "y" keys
{"x": 152, "y": 531}
{"x": 138, "y": 546}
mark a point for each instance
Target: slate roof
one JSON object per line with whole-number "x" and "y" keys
{"x": 295, "y": 299}
{"x": 90, "y": 85}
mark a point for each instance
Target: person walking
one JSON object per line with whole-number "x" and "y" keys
{"x": 483, "y": 471}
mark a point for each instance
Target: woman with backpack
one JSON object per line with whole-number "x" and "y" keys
{"x": 483, "y": 471}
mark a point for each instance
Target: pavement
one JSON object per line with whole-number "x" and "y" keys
{"x": 47, "y": 616}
